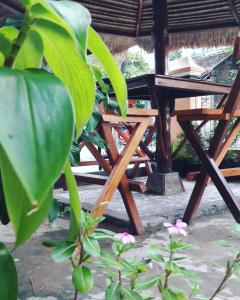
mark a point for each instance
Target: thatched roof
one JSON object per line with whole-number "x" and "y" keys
{"x": 191, "y": 23}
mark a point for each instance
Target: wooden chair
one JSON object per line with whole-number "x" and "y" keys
{"x": 137, "y": 121}
{"x": 219, "y": 145}
{"x": 142, "y": 153}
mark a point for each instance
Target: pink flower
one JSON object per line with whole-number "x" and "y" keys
{"x": 177, "y": 229}
{"x": 125, "y": 238}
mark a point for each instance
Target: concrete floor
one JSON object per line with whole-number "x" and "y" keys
{"x": 41, "y": 278}
{"x": 154, "y": 209}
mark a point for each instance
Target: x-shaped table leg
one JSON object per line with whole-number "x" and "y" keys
{"x": 118, "y": 177}
{"x": 210, "y": 166}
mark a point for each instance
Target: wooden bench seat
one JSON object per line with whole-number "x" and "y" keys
{"x": 204, "y": 114}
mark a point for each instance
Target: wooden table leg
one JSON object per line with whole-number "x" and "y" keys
{"x": 118, "y": 175}
{"x": 212, "y": 169}
{"x": 203, "y": 177}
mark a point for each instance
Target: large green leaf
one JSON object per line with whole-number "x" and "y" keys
{"x": 65, "y": 61}
{"x": 8, "y": 275}
{"x": 131, "y": 295}
{"x": 100, "y": 50}
{"x": 63, "y": 251}
{"x": 171, "y": 295}
{"x": 5, "y": 45}
{"x": 36, "y": 129}
{"x": 39, "y": 9}
{"x": 91, "y": 246}
{"x": 8, "y": 35}
{"x": 147, "y": 283}
{"x": 113, "y": 291}
{"x": 31, "y": 52}
{"x": 75, "y": 213}
{"x": 82, "y": 279}
{"x": 25, "y": 218}
{"x": 10, "y": 32}
{"x": 78, "y": 17}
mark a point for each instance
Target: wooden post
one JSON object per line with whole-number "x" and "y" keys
{"x": 160, "y": 34}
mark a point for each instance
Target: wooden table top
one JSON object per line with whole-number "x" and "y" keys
{"x": 173, "y": 86}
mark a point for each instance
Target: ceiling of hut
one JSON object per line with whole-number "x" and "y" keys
{"x": 123, "y": 17}
{"x": 134, "y": 19}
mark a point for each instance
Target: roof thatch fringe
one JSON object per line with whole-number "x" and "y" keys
{"x": 118, "y": 44}
{"x": 192, "y": 39}
{"x": 207, "y": 38}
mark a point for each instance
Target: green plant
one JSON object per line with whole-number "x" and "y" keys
{"x": 127, "y": 278}
{"x": 49, "y": 98}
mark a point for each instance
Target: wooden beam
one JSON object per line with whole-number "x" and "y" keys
{"x": 139, "y": 18}
{"x": 230, "y": 172}
{"x": 161, "y": 39}
{"x": 160, "y": 33}
{"x": 135, "y": 185}
{"x": 234, "y": 11}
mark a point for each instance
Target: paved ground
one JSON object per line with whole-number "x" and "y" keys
{"x": 41, "y": 278}
{"x": 155, "y": 209}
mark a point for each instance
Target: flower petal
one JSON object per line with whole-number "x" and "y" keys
{"x": 181, "y": 224}
{"x": 182, "y": 232}
{"x": 167, "y": 225}
{"x": 173, "y": 230}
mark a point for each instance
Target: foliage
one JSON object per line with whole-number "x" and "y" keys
{"x": 135, "y": 65}
{"x": 128, "y": 276}
{"x": 175, "y": 55}
{"x": 50, "y": 98}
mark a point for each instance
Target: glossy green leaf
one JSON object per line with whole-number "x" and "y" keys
{"x": 2, "y": 59}
{"x": 177, "y": 246}
{"x": 102, "y": 236}
{"x": 75, "y": 207}
{"x": 105, "y": 231}
{"x": 74, "y": 155}
{"x": 171, "y": 295}
{"x": 65, "y": 62}
{"x": 78, "y": 17}
{"x": 63, "y": 251}
{"x": 82, "y": 279}
{"x": 110, "y": 261}
{"x": 113, "y": 291}
{"x": 100, "y": 50}
{"x": 40, "y": 9}
{"x": 56, "y": 210}
{"x": 31, "y": 52}
{"x": 8, "y": 275}
{"x": 24, "y": 217}
{"x": 5, "y": 45}
{"x": 51, "y": 243}
{"x": 147, "y": 283}
{"x": 10, "y": 32}
{"x": 35, "y": 137}
{"x": 99, "y": 77}
{"x": 91, "y": 246}
{"x": 131, "y": 295}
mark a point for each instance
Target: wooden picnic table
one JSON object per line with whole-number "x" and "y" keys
{"x": 162, "y": 91}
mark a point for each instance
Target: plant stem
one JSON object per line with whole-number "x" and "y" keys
{"x": 226, "y": 277}
{"x": 120, "y": 282}
{"x": 20, "y": 39}
{"x": 167, "y": 272}
{"x": 75, "y": 295}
